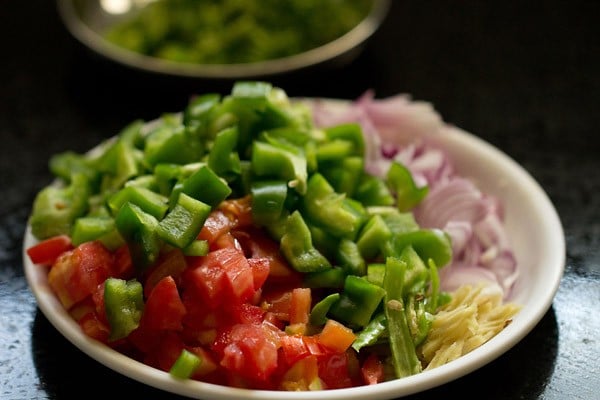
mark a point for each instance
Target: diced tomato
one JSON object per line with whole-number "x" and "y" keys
{"x": 208, "y": 364}
{"x": 334, "y": 371}
{"x": 238, "y": 210}
{"x": 48, "y": 250}
{"x": 238, "y": 272}
{"x": 215, "y": 225}
{"x": 249, "y": 350}
{"x": 300, "y": 306}
{"x": 94, "y": 328}
{"x": 301, "y": 374}
{"x": 98, "y": 301}
{"x": 278, "y": 302}
{"x": 248, "y": 314}
{"x": 206, "y": 279}
{"x": 164, "y": 309}
{"x": 171, "y": 264}
{"x": 336, "y": 336}
{"x": 76, "y": 273}
{"x": 123, "y": 266}
{"x": 294, "y": 348}
{"x": 260, "y": 271}
{"x": 168, "y": 350}
{"x": 372, "y": 370}
{"x": 257, "y": 244}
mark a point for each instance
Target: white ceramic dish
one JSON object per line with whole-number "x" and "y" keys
{"x": 537, "y": 237}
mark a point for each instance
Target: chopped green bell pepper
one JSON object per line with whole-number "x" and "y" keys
{"x": 206, "y": 186}
{"x": 270, "y": 161}
{"x": 400, "y": 181}
{"x": 124, "y": 303}
{"x": 349, "y": 258}
{"x": 268, "y": 201}
{"x": 185, "y": 365}
{"x": 183, "y": 223}
{"x": 318, "y": 314}
{"x": 358, "y": 301}
{"x": 150, "y": 202}
{"x": 296, "y": 246}
{"x": 138, "y": 228}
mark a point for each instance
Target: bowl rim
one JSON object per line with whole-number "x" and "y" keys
{"x": 329, "y": 51}
{"x": 551, "y": 257}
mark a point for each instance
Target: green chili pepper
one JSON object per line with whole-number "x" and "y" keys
{"x": 183, "y": 223}
{"x": 419, "y": 320}
{"x": 372, "y": 333}
{"x": 358, "y": 301}
{"x": 296, "y": 245}
{"x": 404, "y": 355}
{"x": 123, "y": 302}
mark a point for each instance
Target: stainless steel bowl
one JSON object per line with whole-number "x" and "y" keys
{"x": 87, "y": 19}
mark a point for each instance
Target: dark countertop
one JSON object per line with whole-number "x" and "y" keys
{"x": 523, "y": 76}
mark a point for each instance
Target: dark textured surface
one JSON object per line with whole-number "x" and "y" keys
{"x": 523, "y": 76}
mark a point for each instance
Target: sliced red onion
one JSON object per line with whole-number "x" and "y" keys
{"x": 454, "y": 276}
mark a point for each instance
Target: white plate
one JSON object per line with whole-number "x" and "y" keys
{"x": 535, "y": 232}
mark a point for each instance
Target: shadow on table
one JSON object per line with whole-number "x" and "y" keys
{"x": 522, "y": 372}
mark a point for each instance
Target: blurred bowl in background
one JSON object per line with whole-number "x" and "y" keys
{"x": 89, "y": 20}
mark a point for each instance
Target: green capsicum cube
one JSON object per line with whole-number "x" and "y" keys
{"x": 350, "y": 259}
{"x": 55, "y": 208}
{"x": 271, "y": 161}
{"x": 182, "y": 224}
{"x": 334, "y": 150}
{"x": 344, "y": 176}
{"x": 358, "y": 301}
{"x": 334, "y": 212}
{"x": 268, "y": 200}
{"x": 428, "y": 243}
{"x": 318, "y": 314}
{"x": 296, "y": 246}
{"x": 185, "y": 365}
{"x": 372, "y": 191}
{"x": 104, "y": 229}
{"x": 199, "y": 109}
{"x": 138, "y": 228}
{"x": 332, "y": 278}
{"x": 376, "y": 273}
{"x": 171, "y": 144}
{"x": 400, "y": 181}
{"x": 223, "y": 158}
{"x": 416, "y": 275}
{"x": 349, "y": 132}
{"x": 205, "y": 185}
{"x": 150, "y": 202}
{"x": 371, "y": 236}
{"x": 124, "y": 304}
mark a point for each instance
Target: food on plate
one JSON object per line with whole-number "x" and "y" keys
{"x": 235, "y": 32}
{"x": 260, "y": 242}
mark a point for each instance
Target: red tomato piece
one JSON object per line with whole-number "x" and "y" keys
{"x": 260, "y": 270}
{"x": 300, "y": 305}
{"x": 238, "y": 210}
{"x": 294, "y": 348}
{"x": 334, "y": 372}
{"x": 215, "y": 225}
{"x": 336, "y": 336}
{"x": 123, "y": 266}
{"x": 48, "y": 250}
{"x": 171, "y": 264}
{"x": 164, "y": 309}
{"x": 237, "y": 271}
{"x": 250, "y": 350}
{"x": 77, "y": 273}
{"x": 206, "y": 279}
{"x": 372, "y": 370}
{"x": 168, "y": 350}
{"x": 92, "y": 326}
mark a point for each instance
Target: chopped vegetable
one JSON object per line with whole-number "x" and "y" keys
{"x": 239, "y": 243}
